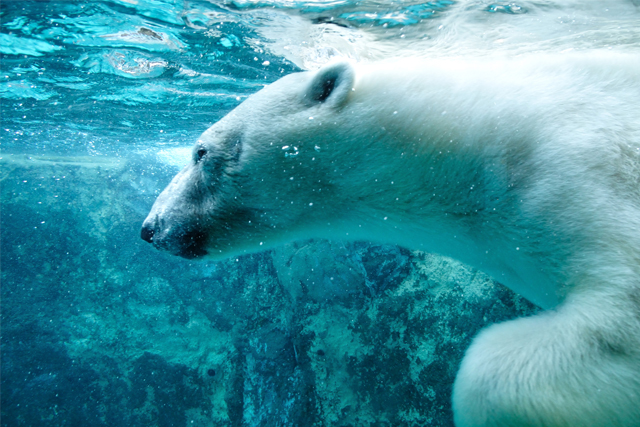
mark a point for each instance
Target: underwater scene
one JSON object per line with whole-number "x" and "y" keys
{"x": 102, "y": 102}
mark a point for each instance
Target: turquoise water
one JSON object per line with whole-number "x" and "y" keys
{"x": 165, "y": 70}
{"x": 160, "y": 72}
{"x": 101, "y": 102}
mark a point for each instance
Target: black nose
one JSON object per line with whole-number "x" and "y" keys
{"x": 147, "y": 233}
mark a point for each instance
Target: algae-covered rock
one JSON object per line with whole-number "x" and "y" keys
{"x": 98, "y": 328}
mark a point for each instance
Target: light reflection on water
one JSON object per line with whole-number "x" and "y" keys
{"x": 118, "y": 71}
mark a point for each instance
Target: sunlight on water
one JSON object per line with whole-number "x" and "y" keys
{"x": 64, "y": 63}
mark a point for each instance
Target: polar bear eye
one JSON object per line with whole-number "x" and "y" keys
{"x": 200, "y": 154}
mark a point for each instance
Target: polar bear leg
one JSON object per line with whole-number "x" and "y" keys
{"x": 562, "y": 368}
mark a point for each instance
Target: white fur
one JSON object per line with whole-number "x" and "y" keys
{"x": 527, "y": 169}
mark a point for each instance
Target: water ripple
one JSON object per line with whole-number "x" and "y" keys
{"x": 123, "y": 69}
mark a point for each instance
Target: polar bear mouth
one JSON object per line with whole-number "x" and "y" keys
{"x": 188, "y": 244}
{"x": 191, "y": 245}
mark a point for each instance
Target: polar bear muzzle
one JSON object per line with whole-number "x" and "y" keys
{"x": 184, "y": 242}
{"x": 175, "y": 223}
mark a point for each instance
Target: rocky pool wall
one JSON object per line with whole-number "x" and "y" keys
{"x": 100, "y": 329}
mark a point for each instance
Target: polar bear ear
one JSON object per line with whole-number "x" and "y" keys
{"x": 331, "y": 84}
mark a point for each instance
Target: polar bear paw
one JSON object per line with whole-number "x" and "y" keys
{"x": 554, "y": 369}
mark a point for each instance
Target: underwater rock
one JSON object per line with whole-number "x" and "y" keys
{"x": 100, "y": 329}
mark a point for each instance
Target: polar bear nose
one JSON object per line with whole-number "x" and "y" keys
{"x": 147, "y": 233}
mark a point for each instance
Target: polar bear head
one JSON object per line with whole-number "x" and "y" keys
{"x": 264, "y": 174}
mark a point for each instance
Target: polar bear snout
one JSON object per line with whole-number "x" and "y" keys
{"x": 175, "y": 223}
{"x": 186, "y": 242}
{"x": 147, "y": 232}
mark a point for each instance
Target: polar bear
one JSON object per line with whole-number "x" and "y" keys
{"x": 525, "y": 168}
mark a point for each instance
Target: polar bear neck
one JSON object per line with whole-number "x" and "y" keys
{"x": 449, "y": 169}
{"x": 431, "y": 160}
{"x": 471, "y": 165}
